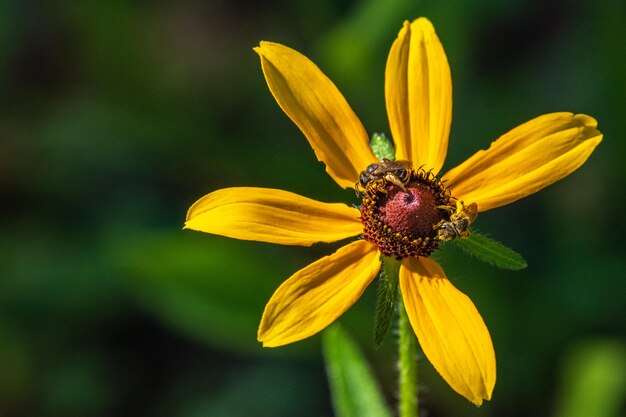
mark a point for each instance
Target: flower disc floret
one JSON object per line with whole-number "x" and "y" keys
{"x": 401, "y": 223}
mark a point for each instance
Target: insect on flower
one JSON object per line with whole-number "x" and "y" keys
{"x": 376, "y": 176}
{"x": 460, "y": 221}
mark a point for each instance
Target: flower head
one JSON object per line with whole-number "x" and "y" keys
{"x": 400, "y": 215}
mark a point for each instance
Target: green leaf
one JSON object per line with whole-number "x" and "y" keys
{"x": 386, "y": 299}
{"x": 491, "y": 252}
{"x": 382, "y": 147}
{"x": 354, "y": 390}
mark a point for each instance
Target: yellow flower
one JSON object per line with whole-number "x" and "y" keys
{"x": 418, "y": 96}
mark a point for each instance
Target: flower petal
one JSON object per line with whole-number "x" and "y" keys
{"x": 318, "y": 294}
{"x": 418, "y": 93}
{"x": 317, "y": 107}
{"x": 274, "y": 216}
{"x": 450, "y": 330}
{"x": 525, "y": 160}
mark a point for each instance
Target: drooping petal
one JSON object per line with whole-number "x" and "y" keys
{"x": 274, "y": 216}
{"x": 318, "y": 294}
{"x": 418, "y": 94}
{"x": 317, "y": 107}
{"x": 525, "y": 160}
{"x": 450, "y": 330}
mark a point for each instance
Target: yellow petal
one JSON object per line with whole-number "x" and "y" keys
{"x": 525, "y": 160}
{"x": 274, "y": 216}
{"x": 450, "y": 330}
{"x": 317, "y": 295}
{"x": 418, "y": 93}
{"x": 317, "y": 107}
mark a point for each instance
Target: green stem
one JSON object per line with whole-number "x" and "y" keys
{"x": 407, "y": 349}
{"x": 408, "y": 366}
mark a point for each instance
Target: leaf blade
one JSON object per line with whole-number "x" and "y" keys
{"x": 386, "y": 299}
{"x": 382, "y": 147}
{"x": 354, "y": 390}
{"x": 491, "y": 251}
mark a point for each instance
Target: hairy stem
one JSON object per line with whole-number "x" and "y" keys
{"x": 407, "y": 348}
{"x": 408, "y": 366}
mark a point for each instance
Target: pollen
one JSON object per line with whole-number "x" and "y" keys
{"x": 402, "y": 222}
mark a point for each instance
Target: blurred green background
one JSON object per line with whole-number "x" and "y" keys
{"x": 116, "y": 116}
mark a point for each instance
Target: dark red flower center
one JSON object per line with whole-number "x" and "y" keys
{"x": 403, "y": 222}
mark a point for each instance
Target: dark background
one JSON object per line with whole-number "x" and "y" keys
{"x": 116, "y": 116}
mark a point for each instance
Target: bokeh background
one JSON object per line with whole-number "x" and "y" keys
{"x": 116, "y": 116}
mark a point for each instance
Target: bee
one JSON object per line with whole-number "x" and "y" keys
{"x": 460, "y": 221}
{"x": 377, "y": 176}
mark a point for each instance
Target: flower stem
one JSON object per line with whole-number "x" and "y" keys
{"x": 407, "y": 378}
{"x": 407, "y": 348}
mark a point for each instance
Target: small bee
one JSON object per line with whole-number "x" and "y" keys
{"x": 460, "y": 221}
{"x": 377, "y": 176}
